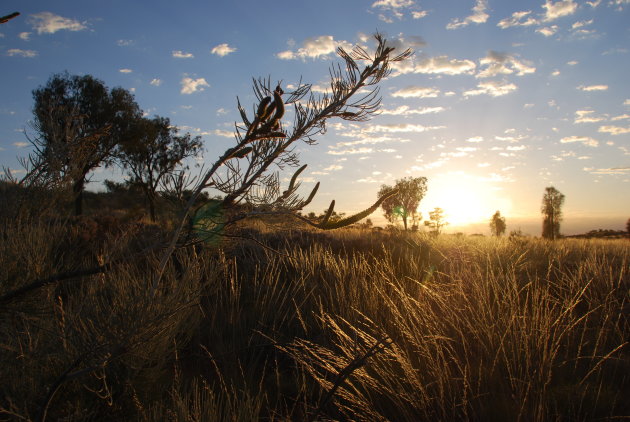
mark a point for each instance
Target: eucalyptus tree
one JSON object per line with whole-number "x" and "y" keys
{"x": 78, "y": 123}
{"x": 405, "y": 203}
{"x": 437, "y": 220}
{"x": 551, "y": 209}
{"x": 497, "y": 224}
{"x": 153, "y": 151}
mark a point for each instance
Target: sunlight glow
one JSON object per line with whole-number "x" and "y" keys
{"x": 464, "y": 198}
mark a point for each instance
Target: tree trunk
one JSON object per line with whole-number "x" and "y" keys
{"x": 151, "y": 202}
{"x": 152, "y": 209}
{"x": 77, "y": 189}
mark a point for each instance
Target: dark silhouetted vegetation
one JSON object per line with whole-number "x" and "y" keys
{"x": 152, "y": 152}
{"x": 551, "y": 209}
{"x": 436, "y": 221}
{"x": 404, "y": 205}
{"x": 497, "y": 224}
{"x": 78, "y": 124}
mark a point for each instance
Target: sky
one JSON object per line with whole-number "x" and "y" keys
{"x": 500, "y": 100}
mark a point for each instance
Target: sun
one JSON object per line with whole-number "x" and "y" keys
{"x": 464, "y": 198}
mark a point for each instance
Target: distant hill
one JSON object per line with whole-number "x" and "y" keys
{"x": 601, "y": 234}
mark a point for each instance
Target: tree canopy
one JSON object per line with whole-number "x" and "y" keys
{"x": 152, "y": 151}
{"x": 497, "y": 224}
{"x": 78, "y": 123}
{"x": 437, "y": 220}
{"x": 551, "y": 209}
{"x": 403, "y": 205}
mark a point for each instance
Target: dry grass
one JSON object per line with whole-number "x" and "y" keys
{"x": 350, "y": 325}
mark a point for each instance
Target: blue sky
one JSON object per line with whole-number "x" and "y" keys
{"x": 500, "y": 100}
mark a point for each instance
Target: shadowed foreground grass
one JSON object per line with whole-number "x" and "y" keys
{"x": 352, "y": 325}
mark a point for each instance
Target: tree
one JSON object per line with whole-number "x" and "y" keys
{"x": 243, "y": 174}
{"x": 403, "y": 205}
{"x": 628, "y": 227}
{"x": 152, "y": 151}
{"x": 436, "y": 220}
{"x": 78, "y": 124}
{"x": 497, "y": 224}
{"x": 551, "y": 209}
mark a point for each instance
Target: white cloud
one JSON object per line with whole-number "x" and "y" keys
{"x": 621, "y": 117}
{"x": 627, "y": 102}
{"x": 585, "y": 116}
{"x": 394, "y": 6}
{"x": 593, "y": 88}
{"x": 22, "y": 53}
{"x": 25, "y": 36}
{"x": 401, "y": 127}
{"x": 516, "y": 147}
{"x": 555, "y": 73}
{"x": 20, "y": 144}
{"x": 518, "y": 19}
{"x": 492, "y": 88}
{"x": 223, "y": 133}
{"x": 388, "y": 19}
{"x": 580, "y": 24}
{"x": 614, "y": 130}
{"x": 352, "y": 151}
{"x": 333, "y": 167}
{"x": 442, "y": 64}
{"x": 410, "y": 42}
{"x": 405, "y": 110}
{"x": 435, "y": 164}
{"x": 125, "y": 70}
{"x": 475, "y": 139}
{"x": 548, "y": 31}
{"x": 366, "y": 140}
{"x": 181, "y": 55}
{"x": 510, "y": 139}
{"x": 49, "y": 23}
{"x": 559, "y": 9}
{"x": 314, "y": 48}
{"x": 156, "y": 82}
{"x": 416, "y": 92}
{"x": 419, "y": 15}
{"x": 222, "y": 50}
{"x": 124, "y": 43}
{"x": 505, "y": 64}
{"x": 586, "y": 140}
{"x": 610, "y": 171}
{"x": 478, "y": 16}
{"x": 190, "y": 85}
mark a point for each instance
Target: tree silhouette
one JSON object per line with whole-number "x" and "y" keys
{"x": 403, "y": 205}
{"x": 551, "y": 209}
{"x": 436, "y": 220}
{"x": 152, "y": 151}
{"x": 78, "y": 124}
{"x": 628, "y": 227}
{"x": 497, "y": 224}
